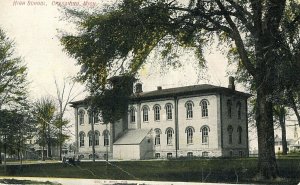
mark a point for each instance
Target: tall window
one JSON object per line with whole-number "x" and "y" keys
{"x": 90, "y": 134}
{"x": 91, "y": 117}
{"x": 169, "y": 111}
{"x": 81, "y": 117}
{"x": 145, "y": 114}
{"x": 156, "y": 112}
{"x": 169, "y": 136}
{"x": 239, "y": 106}
{"x": 106, "y": 137}
{"x": 204, "y": 108}
{"x": 230, "y": 130}
{"x": 81, "y": 139}
{"x": 97, "y": 136}
{"x": 189, "y": 135}
{"x": 132, "y": 115}
{"x": 100, "y": 117}
{"x": 189, "y": 110}
{"x": 240, "y": 134}
{"x": 96, "y": 117}
{"x": 229, "y": 104}
{"x": 157, "y": 136}
{"x": 204, "y": 135}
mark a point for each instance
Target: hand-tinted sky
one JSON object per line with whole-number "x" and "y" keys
{"x": 34, "y": 30}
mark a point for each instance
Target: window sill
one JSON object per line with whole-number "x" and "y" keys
{"x": 204, "y": 143}
{"x": 204, "y": 117}
{"x": 145, "y": 121}
{"x": 189, "y": 118}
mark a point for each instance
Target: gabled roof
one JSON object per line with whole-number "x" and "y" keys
{"x": 133, "y": 137}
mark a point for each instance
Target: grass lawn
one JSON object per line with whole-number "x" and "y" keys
{"x": 197, "y": 170}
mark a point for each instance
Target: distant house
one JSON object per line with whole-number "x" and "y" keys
{"x": 292, "y": 145}
{"x": 200, "y": 120}
{"x": 34, "y": 150}
{"x": 295, "y": 146}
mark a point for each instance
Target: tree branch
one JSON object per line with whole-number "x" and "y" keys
{"x": 238, "y": 41}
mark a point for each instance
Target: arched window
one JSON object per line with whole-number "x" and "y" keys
{"x": 156, "y": 109}
{"x": 90, "y": 134}
{"x": 97, "y": 136}
{"x": 169, "y": 132}
{"x": 106, "y": 137}
{"x": 96, "y": 117}
{"x": 157, "y": 136}
{"x": 145, "y": 113}
{"x": 239, "y": 129}
{"x": 204, "y": 131}
{"x": 229, "y": 104}
{"x": 239, "y": 107}
{"x": 91, "y": 117}
{"x": 169, "y": 111}
{"x": 204, "y": 108}
{"x": 132, "y": 115}
{"x": 230, "y": 130}
{"x": 81, "y": 139}
{"x": 189, "y": 135}
{"x": 189, "y": 109}
{"x": 81, "y": 117}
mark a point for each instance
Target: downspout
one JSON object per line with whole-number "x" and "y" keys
{"x": 176, "y": 127}
{"x": 76, "y": 130}
{"x": 138, "y": 120}
{"x": 221, "y": 122}
{"x": 247, "y": 140}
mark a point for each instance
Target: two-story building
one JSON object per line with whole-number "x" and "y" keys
{"x": 200, "y": 120}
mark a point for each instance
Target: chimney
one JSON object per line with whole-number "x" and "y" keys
{"x": 138, "y": 88}
{"x": 231, "y": 83}
{"x": 122, "y": 80}
{"x": 159, "y": 88}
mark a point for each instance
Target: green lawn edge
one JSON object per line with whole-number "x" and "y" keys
{"x": 184, "y": 170}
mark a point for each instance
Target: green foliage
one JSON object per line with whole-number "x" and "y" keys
{"x": 44, "y": 115}
{"x": 15, "y": 129}
{"x": 262, "y": 37}
{"x": 13, "y": 73}
{"x": 113, "y": 102}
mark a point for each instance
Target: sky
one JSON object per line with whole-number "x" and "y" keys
{"x": 34, "y": 25}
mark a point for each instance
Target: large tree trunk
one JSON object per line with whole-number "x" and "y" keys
{"x": 264, "y": 121}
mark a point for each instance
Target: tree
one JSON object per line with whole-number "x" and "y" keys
{"x": 15, "y": 129}
{"x": 13, "y": 73}
{"x": 259, "y": 33}
{"x": 44, "y": 114}
{"x": 13, "y": 97}
{"x": 63, "y": 100}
